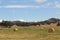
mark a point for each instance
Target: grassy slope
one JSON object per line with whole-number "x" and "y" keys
{"x": 30, "y": 33}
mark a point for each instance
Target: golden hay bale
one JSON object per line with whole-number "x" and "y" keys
{"x": 14, "y": 26}
{"x": 15, "y": 29}
{"x": 51, "y": 30}
{"x": 42, "y": 28}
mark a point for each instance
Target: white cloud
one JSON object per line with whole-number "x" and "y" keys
{"x": 19, "y": 6}
{"x": 1, "y": 20}
{"x": 57, "y": 5}
{"x": 40, "y": 1}
{"x": 0, "y": 6}
{"x": 57, "y": 13}
{"x": 56, "y": 2}
{"x": 46, "y": 5}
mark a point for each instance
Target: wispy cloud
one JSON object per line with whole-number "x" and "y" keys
{"x": 56, "y": 2}
{"x": 57, "y": 13}
{"x": 57, "y": 5}
{"x": 40, "y": 1}
{"x": 0, "y": 6}
{"x": 46, "y": 5}
{"x": 19, "y": 6}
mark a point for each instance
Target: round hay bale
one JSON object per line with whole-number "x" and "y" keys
{"x": 15, "y": 29}
{"x": 51, "y": 30}
{"x": 42, "y": 28}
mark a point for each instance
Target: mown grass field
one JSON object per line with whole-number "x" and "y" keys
{"x": 30, "y": 33}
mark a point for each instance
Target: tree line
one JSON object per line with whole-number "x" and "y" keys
{"x": 20, "y": 23}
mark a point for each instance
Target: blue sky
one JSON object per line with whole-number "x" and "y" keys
{"x": 32, "y": 10}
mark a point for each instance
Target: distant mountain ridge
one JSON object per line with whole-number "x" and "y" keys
{"x": 51, "y": 19}
{"x": 26, "y": 23}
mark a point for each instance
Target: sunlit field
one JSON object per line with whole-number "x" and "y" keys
{"x": 30, "y": 33}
